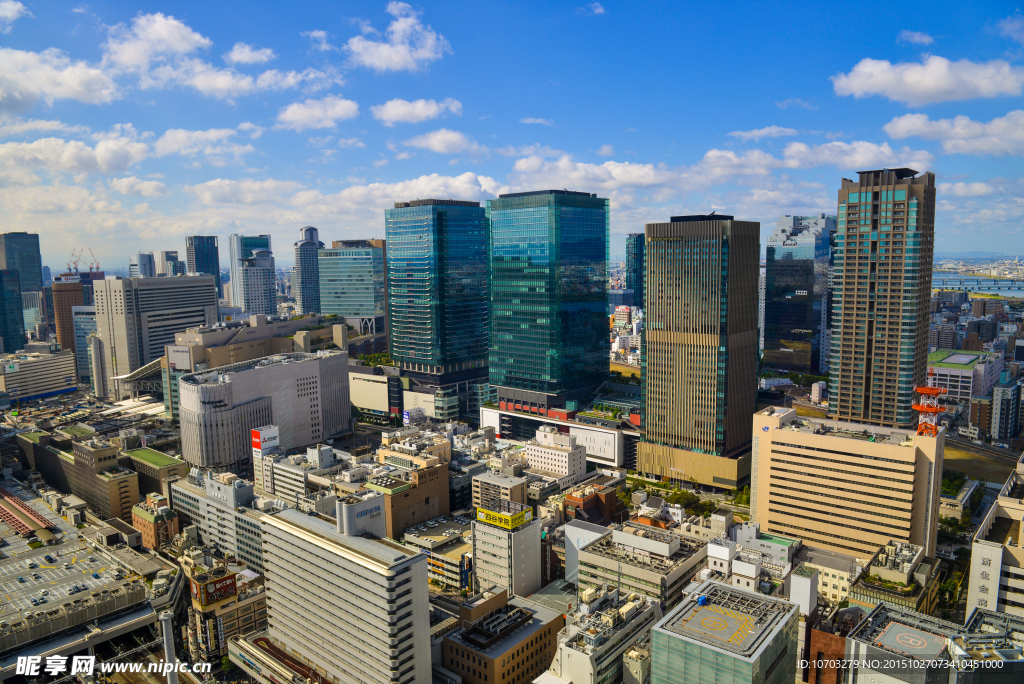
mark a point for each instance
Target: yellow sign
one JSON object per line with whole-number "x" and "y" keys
{"x": 509, "y": 522}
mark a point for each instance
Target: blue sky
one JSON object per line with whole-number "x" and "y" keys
{"x": 126, "y": 127}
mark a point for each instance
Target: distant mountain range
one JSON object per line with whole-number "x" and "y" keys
{"x": 971, "y": 255}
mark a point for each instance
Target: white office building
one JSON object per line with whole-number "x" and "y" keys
{"x": 506, "y": 550}
{"x": 305, "y": 395}
{"x": 354, "y": 607}
{"x": 258, "y": 283}
{"x": 556, "y": 453}
{"x": 137, "y": 317}
{"x": 142, "y": 265}
{"x": 241, "y": 247}
{"x": 26, "y": 377}
{"x": 225, "y": 509}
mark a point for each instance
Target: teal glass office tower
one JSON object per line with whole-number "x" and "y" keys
{"x": 635, "y": 267}
{"x": 20, "y": 252}
{"x": 438, "y": 313}
{"x": 12, "y": 322}
{"x": 352, "y": 283}
{"x": 549, "y": 297}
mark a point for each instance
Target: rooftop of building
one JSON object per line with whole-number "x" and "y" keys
{"x": 217, "y": 375}
{"x": 606, "y": 547}
{"x": 154, "y": 458}
{"x": 958, "y": 360}
{"x": 500, "y": 480}
{"x": 77, "y": 430}
{"x": 431, "y": 202}
{"x": 1005, "y": 531}
{"x": 728, "y": 619}
{"x": 559, "y": 596}
{"x": 322, "y": 531}
{"x": 905, "y": 632}
{"x": 713, "y": 216}
{"x": 836, "y": 428}
{"x": 547, "y": 192}
{"x": 615, "y": 614}
{"x": 439, "y": 532}
{"x": 826, "y": 559}
{"x": 498, "y": 631}
{"x": 992, "y": 636}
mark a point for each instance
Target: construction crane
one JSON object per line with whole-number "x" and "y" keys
{"x": 73, "y": 261}
{"x": 95, "y": 262}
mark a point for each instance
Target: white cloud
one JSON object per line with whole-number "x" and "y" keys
{"x": 404, "y": 111}
{"x": 966, "y": 189}
{"x": 534, "y": 150}
{"x": 252, "y": 129}
{"x": 605, "y": 151}
{"x": 243, "y": 53}
{"x": 795, "y": 102}
{"x": 361, "y": 201}
{"x": 534, "y": 120}
{"x": 963, "y": 135}
{"x": 915, "y": 38}
{"x": 323, "y": 113}
{"x": 768, "y": 132}
{"x": 246, "y": 191}
{"x": 1013, "y": 27}
{"x": 110, "y": 155}
{"x": 10, "y": 12}
{"x": 133, "y": 186}
{"x": 22, "y": 126}
{"x": 159, "y": 50}
{"x": 444, "y": 141}
{"x": 408, "y": 44}
{"x": 350, "y": 142}
{"x": 212, "y": 143}
{"x": 853, "y": 156}
{"x": 27, "y": 77}
{"x": 319, "y": 39}
{"x": 592, "y": 9}
{"x": 935, "y": 79}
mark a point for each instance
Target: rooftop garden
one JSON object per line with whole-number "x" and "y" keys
{"x": 888, "y": 585}
{"x": 952, "y": 482}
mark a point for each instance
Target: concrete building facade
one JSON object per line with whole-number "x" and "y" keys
{"x": 845, "y": 487}
{"x": 27, "y": 377}
{"x": 506, "y": 548}
{"x": 305, "y": 395}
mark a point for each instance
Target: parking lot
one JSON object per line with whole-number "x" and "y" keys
{"x": 54, "y": 578}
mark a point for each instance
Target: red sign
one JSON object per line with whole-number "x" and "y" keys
{"x": 214, "y": 590}
{"x": 255, "y": 439}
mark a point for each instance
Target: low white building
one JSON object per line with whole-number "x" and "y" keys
{"x": 26, "y": 377}
{"x": 556, "y": 453}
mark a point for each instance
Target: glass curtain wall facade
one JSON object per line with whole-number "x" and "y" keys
{"x": 438, "y": 304}
{"x": 306, "y": 287}
{"x": 202, "y": 255}
{"x": 20, "y": 252}
{"x": 549, "y": 297}
{"x": 635, "y": 267}
{"x": 882, "y": 279}
{"x": 352, "y": 280}
{"x": 13, "y": 322}
{"x": 84, "y": 320}
{"x": 796, "y": 292}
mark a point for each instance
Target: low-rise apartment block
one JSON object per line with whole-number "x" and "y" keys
{"x": 225, "y": 603}
{"x": 642, "y": 560}
{"x": 156, "y": 521}
{"x": 600, "y": 631}
{"x": 501, "y": 639}
{"x": 556, "y": 453}
{"x": 842, "y": 486}
{"x": 489, "y": 487}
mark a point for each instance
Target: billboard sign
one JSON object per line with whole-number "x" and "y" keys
{"x": 266, "y": 437}
{"x": 508, "y": 521}
{"x": 213, "y": 590}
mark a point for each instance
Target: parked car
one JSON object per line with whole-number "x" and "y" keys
{"x": 43, "y": 592}
{"x": 95, "y": 575}
{"x": 34, "y": 602}
{"x": 21, "y": 579}
{"x": 67, "y": 566}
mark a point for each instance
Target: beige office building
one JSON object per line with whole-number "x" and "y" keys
{"x": 996, "y": 581}
{"x": 845, "y": 487}
{"x": 882, "y": 279}
{"x": 700, "y": 322}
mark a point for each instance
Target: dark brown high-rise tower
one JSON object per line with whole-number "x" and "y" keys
{"x": 700, "y": 349}
{"x": 883, "y": 276}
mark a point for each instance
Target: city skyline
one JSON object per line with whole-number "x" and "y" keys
{"x": 162, "y": 125}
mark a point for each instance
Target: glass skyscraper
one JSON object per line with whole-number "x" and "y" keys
{"x": 635, "y": 267}
{"x": 84, "y": 321}
{"x": 352, "y": 283}
{"x": 202, "y": 255}
{"x": 796, "y": 292}
{"x": 306, "y": 287}
{"x": 438, "y": 314}
{"x": 20, "y": 252}
{"x": 549, "y": 297}
{"x": 12, "y": 321}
